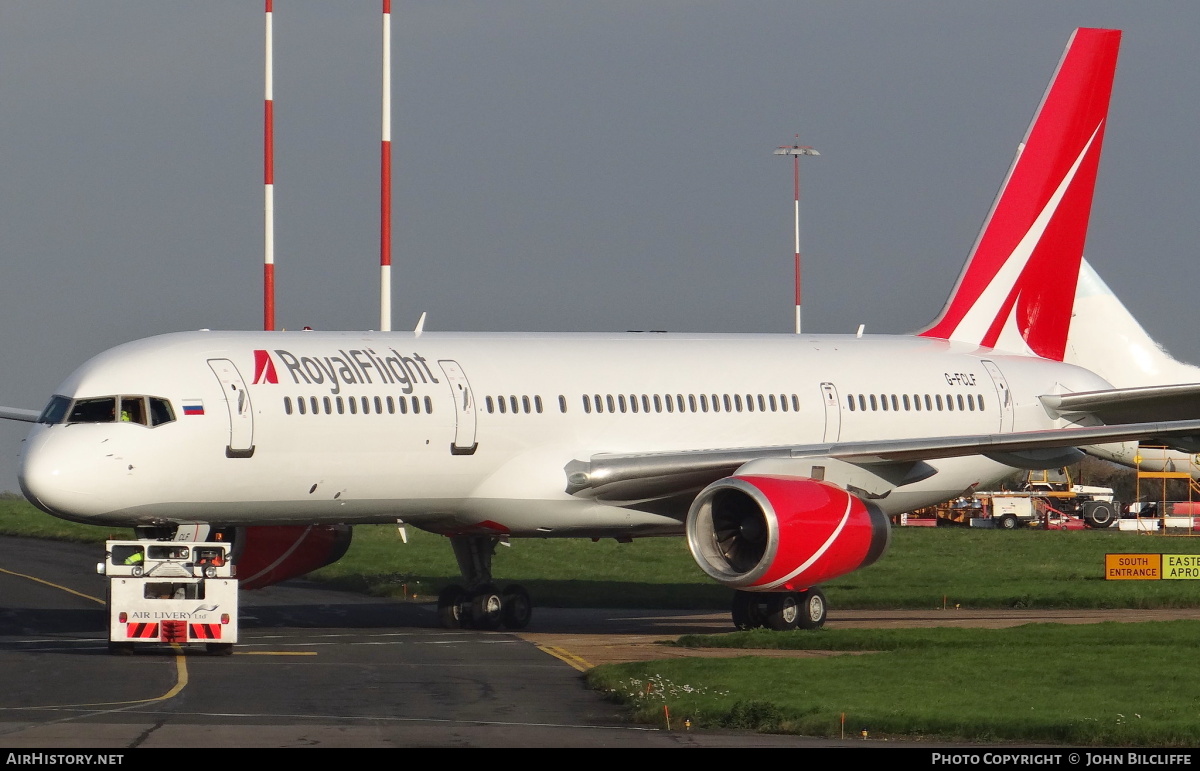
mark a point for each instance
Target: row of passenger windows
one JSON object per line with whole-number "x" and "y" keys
{"x": 366, "y": 405}
{"x": 917, "y": 402}
{"x": 691, "y": 403}
{"x": 620, "y": 403}
{"x": 518, "y": 404}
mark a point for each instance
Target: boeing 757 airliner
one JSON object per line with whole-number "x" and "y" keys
{"x": 779, "y": 457}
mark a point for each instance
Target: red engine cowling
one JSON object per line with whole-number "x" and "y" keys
{"x": 266, "y": 555}
{"x": 769, "y": 533}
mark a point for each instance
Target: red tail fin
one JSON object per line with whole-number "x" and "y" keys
{"x": 1018, "y": 285}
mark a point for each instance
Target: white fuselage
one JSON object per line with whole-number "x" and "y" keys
{"x": 241, "y": 449}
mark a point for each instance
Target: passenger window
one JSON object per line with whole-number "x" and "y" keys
{"x": 537, "y": 404}
{"x": 287, "y": 405}
{"x": 525, "y": 403}
{"x": 300, "y": 404}
{"x": 562, "y": 403}
{"x": 428, "y": 405}
{"x": 353, "y": 405}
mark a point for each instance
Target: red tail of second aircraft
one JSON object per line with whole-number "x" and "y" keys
{"x": 1018, "y": 286}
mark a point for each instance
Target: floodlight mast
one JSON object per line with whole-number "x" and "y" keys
{"x": 385, "y": 180}
{"x": 268, "y": 181}
{"x": 796, "y": 151}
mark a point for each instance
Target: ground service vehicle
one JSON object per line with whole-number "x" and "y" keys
{"x": 170, "y": 592}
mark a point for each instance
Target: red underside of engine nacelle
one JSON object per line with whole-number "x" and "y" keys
{"x": 266, "y": 555}
{"x": 768, "y": 533}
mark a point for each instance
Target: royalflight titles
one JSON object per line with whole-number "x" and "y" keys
{"x": 354, "y": 367}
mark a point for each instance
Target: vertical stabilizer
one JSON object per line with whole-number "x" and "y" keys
{"x": 1017, "y": 288}
{"x": 1108, "y": 340}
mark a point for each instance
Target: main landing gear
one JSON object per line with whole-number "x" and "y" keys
{"x": 779, "y": 610}
{"x": 481, "y": 604}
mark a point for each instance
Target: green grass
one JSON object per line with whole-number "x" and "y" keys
{"x": 924, "y": 568}
{"x": 1098, "y": 684}
{"x": 17, "y": 517}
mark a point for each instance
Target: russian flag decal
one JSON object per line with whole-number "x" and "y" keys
{"x": 193, "y": 407}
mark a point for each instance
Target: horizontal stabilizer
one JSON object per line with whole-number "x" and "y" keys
{"x": 1131, "y": 405}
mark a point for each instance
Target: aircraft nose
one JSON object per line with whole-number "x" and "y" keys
{"x": 61, "y": 477}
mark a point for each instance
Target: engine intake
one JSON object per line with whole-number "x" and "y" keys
{"x": 769, "y": 533}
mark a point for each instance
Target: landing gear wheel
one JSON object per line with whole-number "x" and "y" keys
{"x": 1099, "y": 514}
{"x": 450, "y": 607}
{"x": 518, "y": 608}
{"x": 783, "y": 611}
{"x": 812, "y": 609}
{"x": 120, "y": 648}
{"x": 1008, "y": 522}
{"x": 487, "y": 608}
{"x": 219, "y": 649}
{"x": 747, "y": 612}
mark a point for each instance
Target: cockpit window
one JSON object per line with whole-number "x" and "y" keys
{"x": 133, "y": 409}
{"x": 143, "y": 410}
{"x": 56, "y": 410}
{"x": 160, "y": 411}
{"x": 103, "y": 410}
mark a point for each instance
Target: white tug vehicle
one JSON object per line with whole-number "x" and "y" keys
{"x": 173, "y": 592}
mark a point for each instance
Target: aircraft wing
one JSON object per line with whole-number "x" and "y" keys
{"x": 13, "y": 413}
{"x": 1131, "y": 405}
{"x": 874, "y": 466}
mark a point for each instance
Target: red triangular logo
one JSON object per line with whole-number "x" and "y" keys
{"x": 264, "y": 368}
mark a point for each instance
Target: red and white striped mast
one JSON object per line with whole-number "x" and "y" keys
{"x": 385, "y": 181}
{"x": 269, "y": 185}
{"x": 796, "y": 151}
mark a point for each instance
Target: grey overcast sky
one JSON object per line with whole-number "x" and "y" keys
{"x": 559, "y": 165}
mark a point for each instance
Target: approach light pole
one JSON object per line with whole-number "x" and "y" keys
{"x": 796, "y": 151}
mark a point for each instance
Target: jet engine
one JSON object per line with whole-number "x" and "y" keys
{"x": 769, "y": 533}
{"x": 266, "y": 555}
